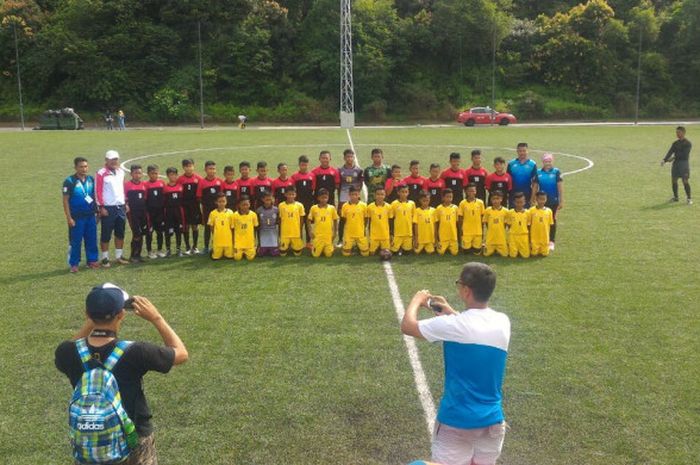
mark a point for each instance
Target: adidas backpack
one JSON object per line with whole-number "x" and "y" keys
{"x": 100, "y": 429}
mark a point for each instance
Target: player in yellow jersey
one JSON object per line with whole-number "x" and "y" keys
{"x": 379, "y": 212}
{"x": 424, "y": 225}
{"x": 495, "y": 219}
{"x": 471, "y": 211}
{"x": 518, "y": 221}
{"x": 402, "y": 210}
{"x": 291, "y": 223}
{"x": 446, "y": 224}
{"x": 354, "y": 213}
{"x": 244, "y": 224}
{"x": 220, "y": 222}
{"x": 541, "y": 220}
{"x": 324, "y": 218}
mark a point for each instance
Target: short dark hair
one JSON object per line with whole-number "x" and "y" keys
{"x": 280, "y": 165}
{"x": 303, "y": 159}
{"x": 395, "y": 167}
{"x": 518, "y": 195}
{"x": 446, "y": 191}
{"x": 401, "y": 186}
{"x": 499, "y": 160}
{"x": 78, "y": 160}
{"x": 522, "y": 144}
{"x": 322, "y": 191}
{"x": 261, "y": 164}
{"x": 209, "y": 163}
{"x": 220, "y": 195}
{"x": 476, "y": 152}
{"x": 323, "y": 152}
{"x": 414, "y": 163}
{"x": 242, "y": 164}
{"x": 229, "y": 169}
{"x": 377, "y": 151}
{"x": 187, "y": 162}
{"x": 171, "y": 170}
{"x": 353, "y": 189}
{"x": 290, "y": 189}
{"x": 455, "y": 156}
{"x": 134, "y": 167}
{"x": 266, "y": 194}
{"x": 434, "y": 165}
{"x": 471, "y": 184}
{"x": 243, "y": 198}
{"x": 541, "y": 194}
{"x": 480, "y": 279}
{"x": 498, "y": 194}
{"x": 348, "y": 152}
{"x": 423, "y": 195}
{"x": 379, "y": 188}
{"x": 152, "y": 168}
{"x": 681, "y": 129}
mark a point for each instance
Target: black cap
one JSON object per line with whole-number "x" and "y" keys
{"x": 105, "y": 301}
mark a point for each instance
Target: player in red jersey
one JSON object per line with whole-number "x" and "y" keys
{"x": 155, "y": 204}
{"x": 193, "y": 215}
{"x": 325, "y": 176}
{"x": 230, "y": 187}
{"x": 454, "y": 178}
{"x": 135, "y": 195}
{"x": 499, "y": 180}
{"x": 414, "y": 181}
{"x": 174, "y": 214}
{"x": 304, "y": 184}
{"x": 434, "y": 185}
{"x": 281, "y": 184}
{"x": 262, "y": 184}
{"x": 245, "y": 182}
{"x": 476, "y": 174}
{"x": 207, "y": 193}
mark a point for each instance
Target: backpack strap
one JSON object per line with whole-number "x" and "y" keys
{"x": 116, "y": 354}
{"x": 83, "y": 353}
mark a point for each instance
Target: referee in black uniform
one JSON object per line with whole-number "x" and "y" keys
{"x": 679, "y": 154}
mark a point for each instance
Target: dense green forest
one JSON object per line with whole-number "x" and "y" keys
{"x": 414, "y": 59}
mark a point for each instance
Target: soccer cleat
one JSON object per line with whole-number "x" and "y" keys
{"x": 195, "y": 251}
{"x": 74, "y": 269}
{"x": 168, "y": 253}
{"x": 551, "y": 246}
{"x": 105, "y": 263}
{"x": 161, "y": 254}
{"x": 187, "y": 252}
{"x": 93, "y": 265}
{"x": 690, "y": 201}
{"x": 180, "y": 253}
{"x": 674, "y": 199}
{"x": 122, "y": 261}
{"x": 152, "y": 255}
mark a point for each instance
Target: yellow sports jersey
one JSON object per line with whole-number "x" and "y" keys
{"x": 540, "y": 222}
{"x": 403, "y": 217}
{"x": 379, "y": 221}
{"x": 244, "y": 230}
{"x": 518, "y": 221}
{"x": 495, "y": 225}
{"x": 425, "y": 225}
{"x": 290, "y": 219}
{"x": 323, "y": 219}
{"x": 471, "y": 213}
{"x": 354, "y": 215}
{"x": 446, "y": 217}
{"x": 222, "y": 223}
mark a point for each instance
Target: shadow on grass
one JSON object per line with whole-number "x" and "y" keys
{"x": 34, "y": 276}
{"x": 662, "y": 206}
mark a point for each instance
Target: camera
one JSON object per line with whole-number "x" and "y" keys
{"x": 129, "y": 304}
{"x": 434, "y": 307}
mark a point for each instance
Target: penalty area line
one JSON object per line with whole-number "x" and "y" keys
{"x": 424, "y": 395}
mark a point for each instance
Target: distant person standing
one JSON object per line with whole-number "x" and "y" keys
{"x": 242, "y": 120}
{"x": 470, "y": 425}
{"x": 109, "y": 119}
{"x": 679, "y": 153}
{"x": 111, "y": 201}
{"x": 523, "y": 172}
{"x": 121, "y": 119}
{"x": 550, "y": 181}
{"x": 79, "y": 208}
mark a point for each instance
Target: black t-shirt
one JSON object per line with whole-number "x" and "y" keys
{"x": 138, "y": 359}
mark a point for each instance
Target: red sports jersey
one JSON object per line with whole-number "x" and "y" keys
{"x": 415, "y": 185}
{"x": 173, "y": 195}
{"x": 154, "y": 194}
{"x": 434, "y": 188}
{"x": 279, "y": 188}
{"x": 499, "y": 182}
{"x": 454, "y": 180}
{"x": 245, "y": 187}
{"x": 207, "y": 191}
{"x": 328, "y": 178}
{"x": 478, "y": 177}
{"x": 231, "y": 191}
{"x": 135, "y": 194}
{"x": 391, "y": 186}
{"x": 261, "y": 186}
{"x": 305, "y": 185}
{"x": 189, "y": 187}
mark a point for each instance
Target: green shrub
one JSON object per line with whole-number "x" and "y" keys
{"x": 529, "y": 105}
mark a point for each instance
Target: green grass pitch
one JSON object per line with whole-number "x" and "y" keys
{"x": 297, "y": 361}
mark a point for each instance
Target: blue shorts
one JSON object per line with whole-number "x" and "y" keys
{"x": 115, "y": 222}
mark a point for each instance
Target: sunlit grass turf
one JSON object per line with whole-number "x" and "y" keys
{"x": 300, "y": 361}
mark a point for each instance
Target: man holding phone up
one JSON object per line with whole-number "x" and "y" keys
{"x": 106, "y": 307}
{"x": 470, "y": 425}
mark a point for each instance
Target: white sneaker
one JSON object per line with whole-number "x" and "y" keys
{"x": 690, "y": 201}
{"x": 551, "y": 246}
{"x": 152, "y": 255}
{"x": 195, "y": 251}
{"x": 187, "y": 252}
{"x": 161, "y": 254}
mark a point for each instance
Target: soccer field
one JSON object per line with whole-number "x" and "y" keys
{"x": 301, "y": 361}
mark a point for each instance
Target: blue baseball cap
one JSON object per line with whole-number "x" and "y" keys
{"x": 105, "y": 301}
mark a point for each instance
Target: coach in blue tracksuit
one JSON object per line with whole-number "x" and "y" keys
{"x": 79, "y": 208}
{"x": 523, "y": 172}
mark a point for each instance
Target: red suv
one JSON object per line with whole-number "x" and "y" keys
{"x": 485, "y": 115}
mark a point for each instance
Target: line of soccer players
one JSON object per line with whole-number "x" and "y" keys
{"x": 258, "y": 215}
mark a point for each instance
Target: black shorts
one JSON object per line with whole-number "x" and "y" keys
{"x": 156, "y": 219}
{"x": 680, "y": 169}
{"x": 174, "y": 220}
{"x": 138, "y": 222}
{"x": 193, "y": 215}
{"x": 206, "y": 210}
{"x": 115, "y": 222}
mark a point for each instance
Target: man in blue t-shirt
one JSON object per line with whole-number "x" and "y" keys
{"x": 79, "y": 208}
{"x": 470, "y": 425}
{"x": 549, "y": 180}
{"x": 523, "y": 171}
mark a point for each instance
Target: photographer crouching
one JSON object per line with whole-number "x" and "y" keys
{"x": 108, "y": 415}
{"x": 470, "y": 425}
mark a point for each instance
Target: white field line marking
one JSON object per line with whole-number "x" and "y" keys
{"x": 424, "y": 395}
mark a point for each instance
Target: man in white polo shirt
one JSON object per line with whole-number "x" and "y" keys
{"x": 470, "y": 425}
{"x": 109, "y": 189}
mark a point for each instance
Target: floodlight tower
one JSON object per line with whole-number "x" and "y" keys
{"x": 347, "y": 99}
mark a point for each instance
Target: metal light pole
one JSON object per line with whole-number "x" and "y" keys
{"x": 19, "y": 77}
{"x": 347, "y": 99}
{"x": 493, "y": 73}
{"x": 639, "y": 76}
{"x": 201, "y": 82}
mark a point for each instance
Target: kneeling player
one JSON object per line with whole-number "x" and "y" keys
{"x": 291, "y": 223}
{"x": 471, "y": 210}
{"x": 541, "y": 220}
{"x": 446, "y": 219}
{"x": 379, "y": 213}
{"x": 244, "y": 224}
{"x": 494, "y": 219}
{"x": 424, "y": 225}
{"x": 518, "y": 221}
{"x": 354, "y": 213}
{"x": 220, "y": 221}
{"x": 268, "y": 231}
{"x": 324, "y": 219}
{"x": 402, "y": 210}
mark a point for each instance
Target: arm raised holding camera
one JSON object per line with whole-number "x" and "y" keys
{"x": 409, "y": 324}
{"x": 146, "y": 310}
